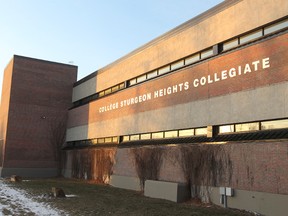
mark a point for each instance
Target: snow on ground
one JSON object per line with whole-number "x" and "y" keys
{"x": 18, "y": 202}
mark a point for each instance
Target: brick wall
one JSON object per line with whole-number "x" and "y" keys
{"x": 256, "y": 166}
{"x": 40, "y": 95}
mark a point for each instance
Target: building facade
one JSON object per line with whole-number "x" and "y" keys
{"x": 220, "y": 78}
{"x": 36, "y": 95}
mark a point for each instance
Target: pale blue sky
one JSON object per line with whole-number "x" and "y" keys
{"x": 89, "y": 33}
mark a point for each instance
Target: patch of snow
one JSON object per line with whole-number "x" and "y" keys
{"x": 18, "y": 202}
{"x": 70, "y": 195}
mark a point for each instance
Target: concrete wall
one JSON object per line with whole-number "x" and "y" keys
{"x": 257, "y": 166}
{"x": 243, "y": 98}
{"x": 225, "y": 21}
{"x": 262, "y": 203}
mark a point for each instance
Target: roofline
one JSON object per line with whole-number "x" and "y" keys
{"x": 210, "y": 12}
{"x": 50, "y": 62}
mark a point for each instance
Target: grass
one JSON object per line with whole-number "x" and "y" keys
{"x": 95, "y": 199}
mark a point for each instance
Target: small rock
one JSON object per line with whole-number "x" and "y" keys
{"x": 15, "y": 178}
{"x": 58, "y": 192}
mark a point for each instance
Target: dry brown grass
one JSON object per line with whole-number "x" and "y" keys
{"x": 95, "y": 199}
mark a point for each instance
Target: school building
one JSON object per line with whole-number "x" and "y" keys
{"x": 220, "y": 78}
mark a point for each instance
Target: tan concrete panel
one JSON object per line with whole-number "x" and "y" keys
{"x": 253, "y": 105}
{"x": 227, "y": 23}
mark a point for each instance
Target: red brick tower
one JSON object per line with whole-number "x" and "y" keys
{"x": 36, "y": 95}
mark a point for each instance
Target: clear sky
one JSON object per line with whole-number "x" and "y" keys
{"x": 87, "y": 33}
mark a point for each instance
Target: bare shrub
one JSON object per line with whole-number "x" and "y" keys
{"x": 104, "y": 161}
{"x": 93, "y": 164}
{"x": 57, "y": 136}
{"x": 148, "y": 162}
{"x": 204, "y": 166}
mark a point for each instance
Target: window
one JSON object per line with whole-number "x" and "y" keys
{"x": 276, "y": 27}
{"x": 101, "y": 94}
{"x": 206, "y": 53}
{"x": 230, "y": 44}
{"x": 226, "y": 129}
{"x": 115, "y": 88}
{"x": 125, "y": 138}
{"x": 192, "y": 59}
{"x": 247, "y": 127}
{"x": 108, "y": 140}
{"x": 200, "y": 131}
{"x": 252, "y": 36}
{"x": 132, "y": 82}
{"x": 94, "y": 141}
{"x": 122, "y": 85}
{"x": 141, "y": 78}
{"x": 164, "y": 70}
{"x": 170, "y": 134}
{"x": 115, "y": 139}
{"x": 107, "y": 91}
{"x": 187, "y": 132}
{"x": 157, "y": 135}
{"x": 277, "y": 124}
{"x": 177, "y": 64}
{"x": 101, "y": 140}
{"x": 145, "y": 136}
{"x": 152, "y": 74}
{"x": 134, "y": 137}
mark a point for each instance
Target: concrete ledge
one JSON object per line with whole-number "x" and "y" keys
{"x": 125, "y": 182}
{"x": 29, "y": 172}
{"x": 173, "y": 191}
{"x": 67, "y": 173}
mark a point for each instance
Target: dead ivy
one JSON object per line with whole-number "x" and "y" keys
{"x": 204, "y": 166}
{"x": 93, "y": 164}
{"x": 148, "y": 161}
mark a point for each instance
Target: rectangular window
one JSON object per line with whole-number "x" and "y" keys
{"x": 177, "y": 64}
{"x": 101, "y": 94}
{"x": 115, "y": 88}
{"x": 132, "y": 82}
{"x": 226, "y": 129}
{"x": 187, "y": 132}
{"x": 122, "y": 85}
{"x": 107, "y": 91}
{"x": 126, "y": 138}
{"x": 94, "y": 141}
{"x": 157, "y": 135}
{"x": 145, "y": 136}
{"x": 252, "y": 36}
{"x": 141, "y": 78}
{"x": 247, "y": 127}
{"x": 192, "y": 59}
{"x": 230, "y": 44}
{"x": 276, "y": 27}
{"x": 201, "y": 131}
{"x": 170, "y": 134}
{"x": 101, "y": 140}
{"x": 152, "y": 74}
{"x": 115, "y": 139}
{"x": 164, "y": 70}
{"x": 277, "y": 124}
{"x": 134, "y": 137}
{"x": 108, "y": 140}
{"x": 206, "y": 53}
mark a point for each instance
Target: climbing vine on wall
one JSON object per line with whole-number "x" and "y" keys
{"x": 93, "y": 164}
{"x": 148, "y": 161}
{"x": 204, "y": 166}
